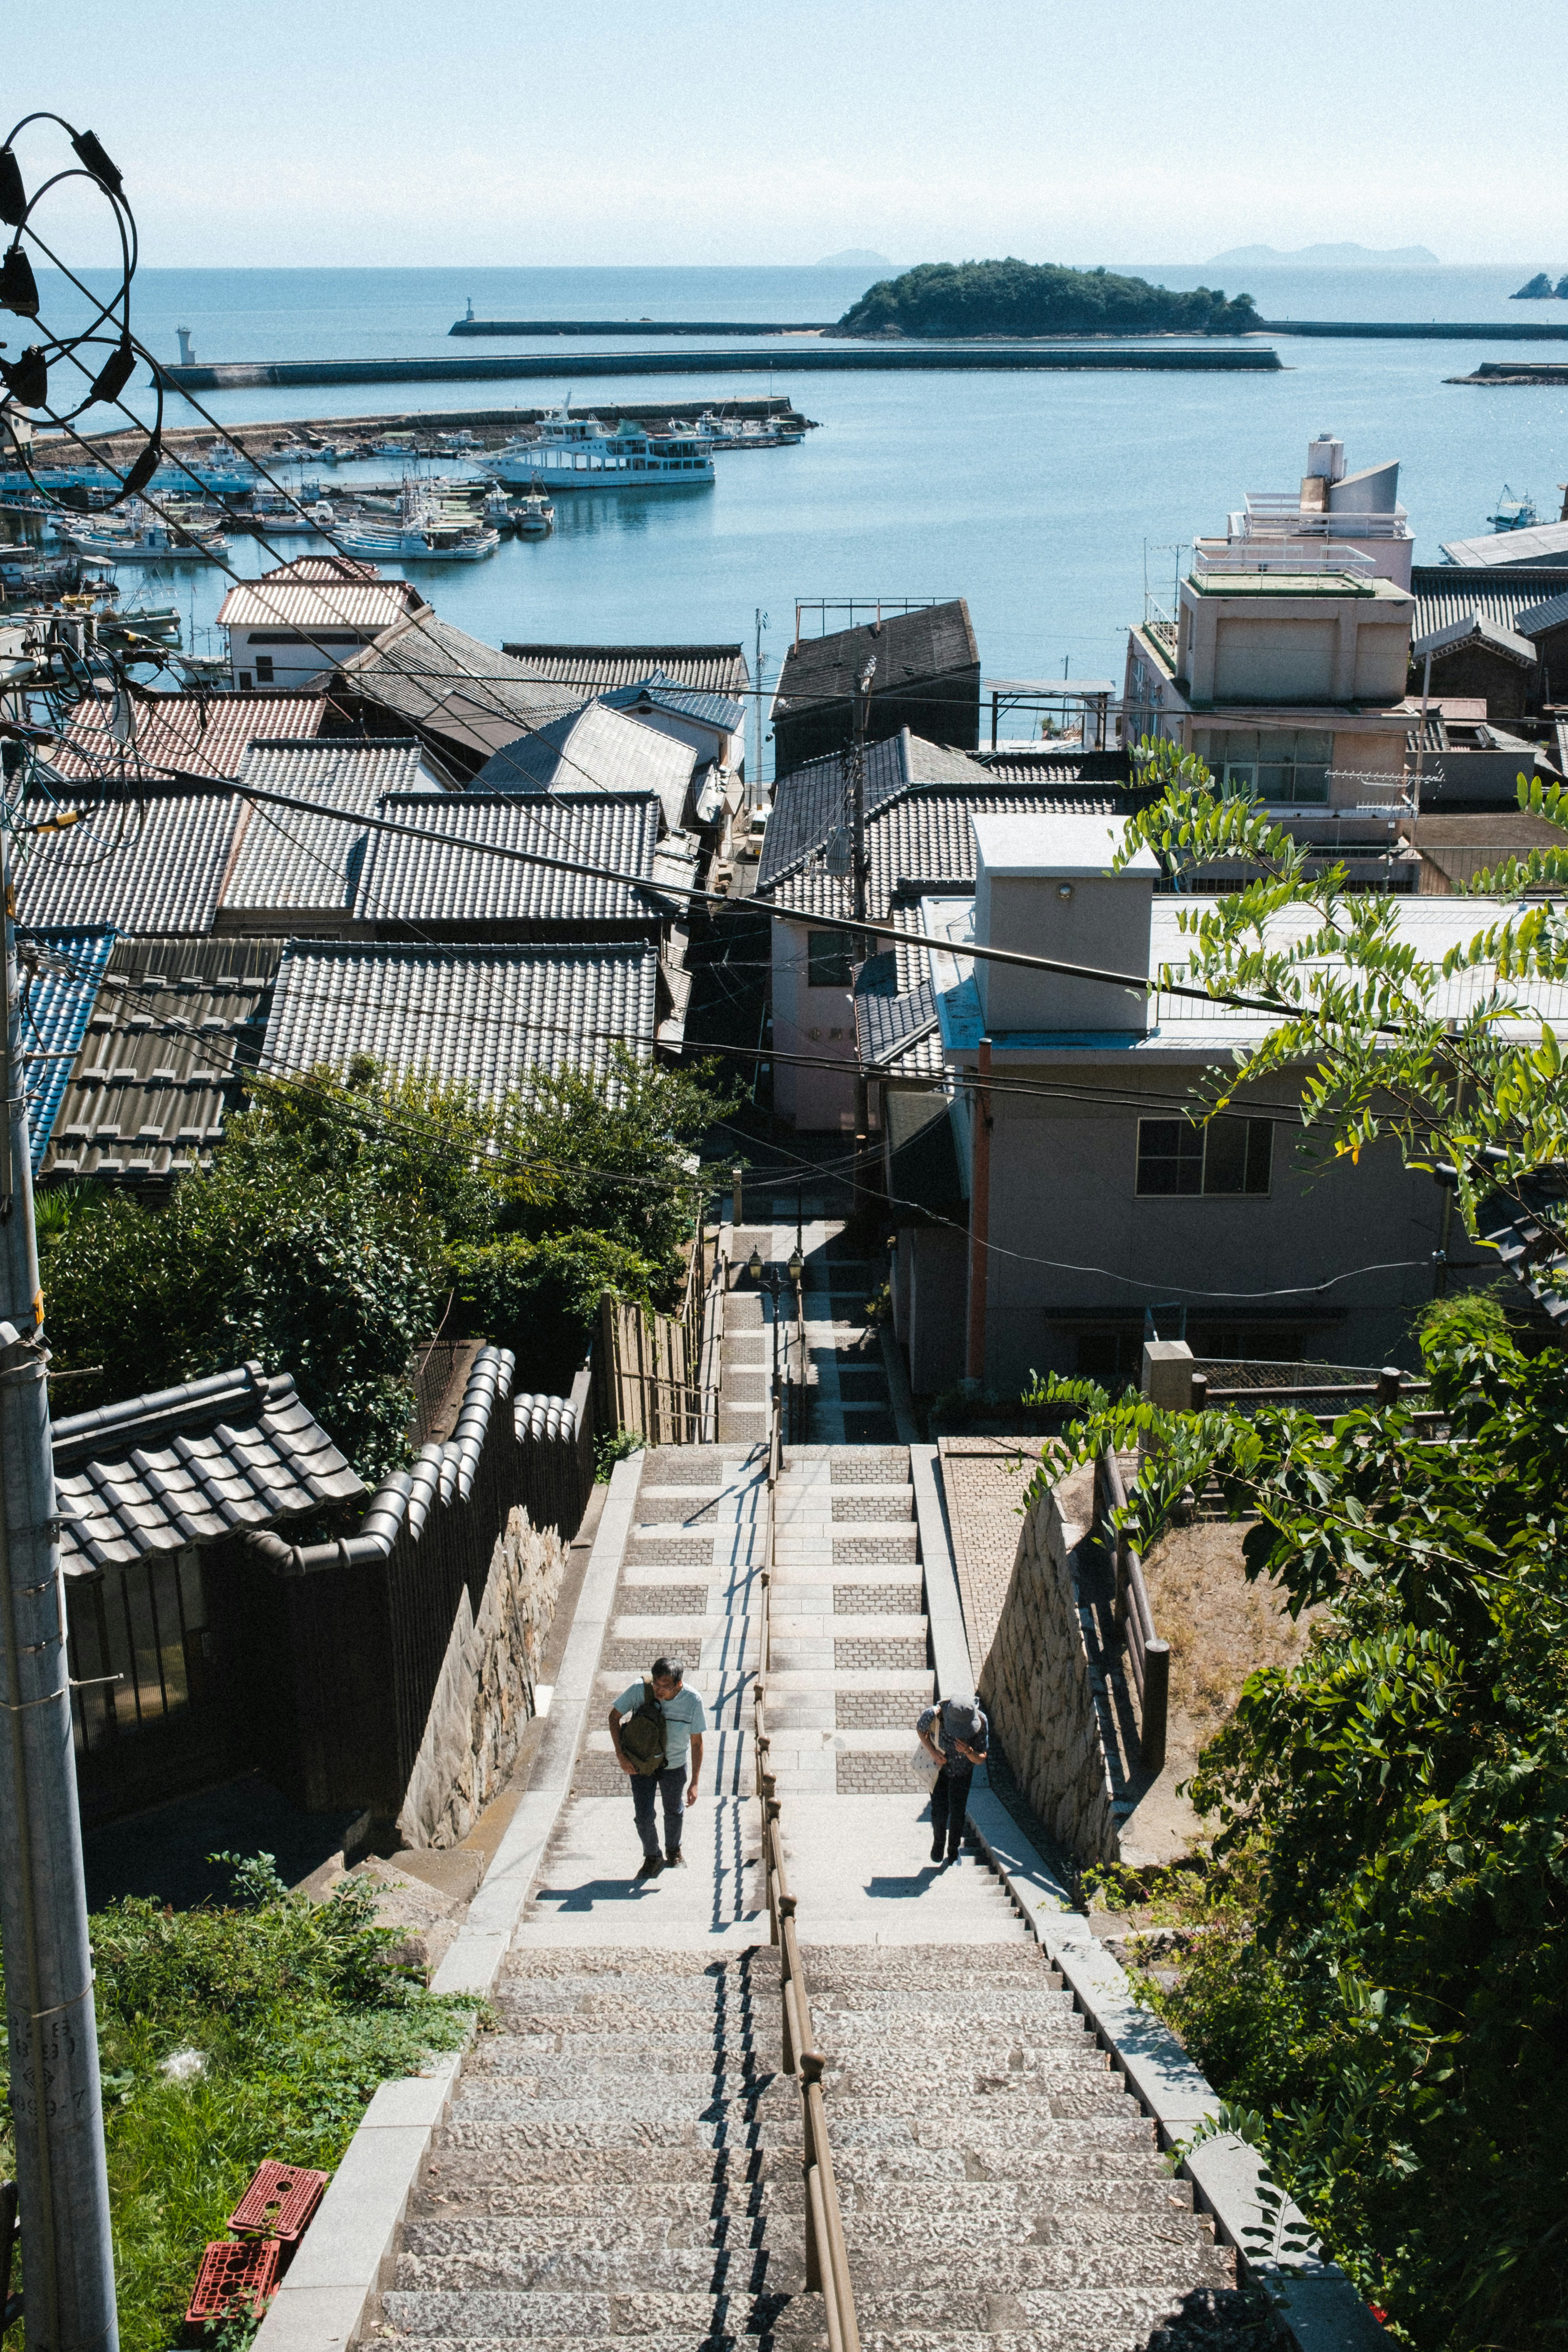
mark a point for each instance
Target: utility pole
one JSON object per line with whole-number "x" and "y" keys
{"x": 858, "y": 953}
{"x": 57, "y": 2105}
{"x": 754, "y": 795}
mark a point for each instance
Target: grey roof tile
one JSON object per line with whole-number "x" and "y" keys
{"x": 454, "y": 687}
{"x": 187, "y": 1465}
{"x": 148, "y": 864}
{"x": 908, "y": 646}
{"x": 287, "y": 862}
{"x": 660, "y": 692}
{"x": 596, "y": 747}
{"x": 483, "y": 1017}
{"x": 174, "y": 1022}
{"x": 283, "y": 600}
{"x": 407, "y": 881}
{"x": 1445, "y": 592}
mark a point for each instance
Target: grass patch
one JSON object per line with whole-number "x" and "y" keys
{"x": 298, "y": 2014}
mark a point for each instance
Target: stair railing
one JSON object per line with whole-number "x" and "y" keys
{"x": 827, "y": 2255}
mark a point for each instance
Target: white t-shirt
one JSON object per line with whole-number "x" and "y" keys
{"x": 683, "y": 1715}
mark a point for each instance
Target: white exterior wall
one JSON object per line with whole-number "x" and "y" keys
{"x": 293, "y": 665}
{"x": 818, "y": 1022}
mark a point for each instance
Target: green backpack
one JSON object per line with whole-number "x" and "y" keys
{"x": 642, "y": 1734}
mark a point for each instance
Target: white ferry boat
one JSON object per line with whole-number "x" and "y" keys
{"x": 579, "y": 453}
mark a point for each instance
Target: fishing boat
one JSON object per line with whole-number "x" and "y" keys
{"x": 1514, "y": 513}
{"x": 579, "y": 453}
{"x": 533, "y": 517}
{"x": 423, "y": 529}
{"x": 271, "y": 516}
{"x": 144, "y": 538}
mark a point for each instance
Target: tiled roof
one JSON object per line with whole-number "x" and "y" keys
{"x": 1545, "y": 543}
{"x": 331, "y": 567}
{"x": 196, "y": 734}
{"x": 712, "y": 669}
{"x": 277, "y": 603}
{"x": 814, "y": 798}
{"x": 1536, "y": 619}
{"x": 132, "y": 864}
{"x": 174, "y": 1022}
{"x": 595, "y": 746}
{"x": 1476, "y": 629}
{"x": 1445, "y": 592}
{"x": 483, "y": 1017}
{"x": 907, "y": 647}
{"x": 453, "y": 687}
{"x": 58, "y": 998}
{"x": 190, "y": 1465}
{"x": 915, "y": 836}
{"x": 287, "y": 862}
{"x": 407, "y": 881}
{"x": 661, "y": 693}
{"x": 895, "y": 1023}
{"x": 1046, "y": 763}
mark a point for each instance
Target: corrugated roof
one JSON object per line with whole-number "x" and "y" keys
{"x": 58, "y": 998}
{"x": 151, "y": 864}
{"x": 1445, "y": 592}
{"x": 290, "y": 863}
{"x": 712, "y": 669}
{"x": 452, "y": 687}
{"x": 195, "y": 733}
{"x": 1476, "y": 629}
{"x": 176, "y": 1025}
{"x": 909, "y": 647}
{"x": 1046, "y": 763}
{"x": 484, "y": 1017}
{"x": 660, "y": 693}
{"x": 595, "y": 746}
{"x": 190, "y": 1465}
{"x": 423, "y": 882}
{"x": 279, "y": 603}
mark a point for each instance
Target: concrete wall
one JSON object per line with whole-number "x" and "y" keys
{"x": 1040, "y": 1679}
{"x": 1259, "y": 647}
{"x": 818, "y": 1022}
{"x": 1064, "y": 1187}
{"x": 931, "y": 1294}
{"x": 484, "y": 1695}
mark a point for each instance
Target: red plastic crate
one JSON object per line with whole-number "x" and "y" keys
{"x": 280, "y": 2202}
{"x": 236, "y": 2274}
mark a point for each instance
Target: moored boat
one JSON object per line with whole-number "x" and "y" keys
{"x": 533, "y": 517}
{"x": 579, "y": 453}
{"x": 423, "y": 529}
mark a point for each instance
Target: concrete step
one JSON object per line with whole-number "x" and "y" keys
{"x": 692, "y": 2319}
{"x": 487, "y": 2258}
{"x": 1077, "y": 2186}
{"x": 900, "y": 2079}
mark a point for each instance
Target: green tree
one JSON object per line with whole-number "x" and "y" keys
{"x": 1023, "y": 298}
{"x": 1383, "y": 1957}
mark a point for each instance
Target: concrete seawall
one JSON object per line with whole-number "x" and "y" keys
{"x": 224, "y": 375}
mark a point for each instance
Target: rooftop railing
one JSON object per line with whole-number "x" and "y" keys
{"x": 1214, "y": 556}
{"x": 827, "y": 2255}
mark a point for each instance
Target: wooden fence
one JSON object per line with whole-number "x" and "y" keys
{"x": 657, "y": 1375}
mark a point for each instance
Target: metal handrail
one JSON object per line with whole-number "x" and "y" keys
{"x": 827, "y": 2255}
{"x": 1148, "y": 1658}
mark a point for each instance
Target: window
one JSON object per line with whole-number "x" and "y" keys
{"x": 1268, "y": 763}
{"x": 1226, "y": 1158}
{"x": 827, "y": 959}
{"x": 145, "y": 1625}
{"x": 263, "y": 669}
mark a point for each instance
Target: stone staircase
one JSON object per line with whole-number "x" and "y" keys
{"x": 622, "y": 2157}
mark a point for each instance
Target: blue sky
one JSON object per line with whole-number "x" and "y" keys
{"x": 422, "y": 131}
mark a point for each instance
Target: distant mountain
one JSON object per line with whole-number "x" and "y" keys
{"x": 856, "y": 257}
{"x": 1325, "y": 256}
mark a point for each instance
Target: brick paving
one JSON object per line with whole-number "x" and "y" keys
{"x": 985, "y": 1489}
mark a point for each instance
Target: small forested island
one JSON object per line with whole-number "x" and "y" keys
{"x": 1540, "y": 289}
{"x": 1026, "y": 298}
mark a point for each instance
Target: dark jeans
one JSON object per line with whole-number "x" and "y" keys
{"x": 672, "y": 1787}
{"x": 949, "y": 1803}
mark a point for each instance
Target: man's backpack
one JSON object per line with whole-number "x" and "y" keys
{"x": 642, "y": 1735}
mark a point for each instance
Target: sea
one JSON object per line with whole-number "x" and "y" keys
{"x": 1057, "y": 503}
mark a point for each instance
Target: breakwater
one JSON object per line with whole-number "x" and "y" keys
{"x": 227, "y": 375}
{"x": 638, "y": 327}
{"x": 1421, "y": 331}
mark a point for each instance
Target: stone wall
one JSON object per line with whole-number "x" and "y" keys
{"x": 1041, "y": 1683}
{"x": 484, "y": 1695}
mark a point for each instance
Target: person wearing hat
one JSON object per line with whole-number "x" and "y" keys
{"x": 955, "y": 1735}
{"x": 654, "y": 1725}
